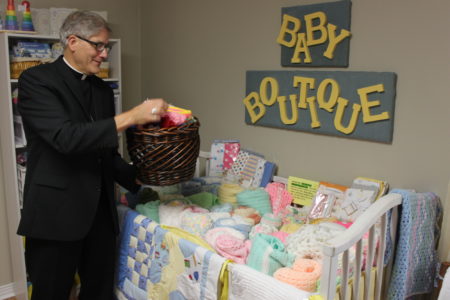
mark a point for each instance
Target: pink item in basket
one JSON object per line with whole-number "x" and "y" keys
{"x": 303, "y": 274}
{"x": 279, "y": 196}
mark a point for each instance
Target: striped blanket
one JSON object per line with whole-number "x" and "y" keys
{"x": 414, "y": 268}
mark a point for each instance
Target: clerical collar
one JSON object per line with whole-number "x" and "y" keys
{"x": 83, "y": 76}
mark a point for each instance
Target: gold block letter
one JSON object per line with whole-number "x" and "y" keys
{"x": 310, "y": 28}
{"x": 274, "y": 90}
{"x": 334, "y": 40}
{"x": 313, "y": 112}
{"x": 283, "y": 114}
{"x": 334, "y": 94}
{"x": 285, "y": 30}
{"x": 300, "y": 47}
{"x": 366, "y": 104}
{"x": 304, "y": 84}
{"x": 342, "y": 103}
{"x": 251, "y": 107}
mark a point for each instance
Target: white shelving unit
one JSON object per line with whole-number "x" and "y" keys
{"x": 9, "y": 149}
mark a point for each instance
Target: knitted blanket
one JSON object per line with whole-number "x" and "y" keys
{"x": 415, "y": 261}
{"x": 249, "y": 284}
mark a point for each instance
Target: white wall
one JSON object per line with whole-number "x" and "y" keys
{"x": 196, "y": 53}
{"x": 5, "y": 269}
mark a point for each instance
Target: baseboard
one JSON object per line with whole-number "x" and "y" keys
{"x": 7, "y": 291}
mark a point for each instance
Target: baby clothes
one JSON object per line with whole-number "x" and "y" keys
{"x": 229, "y": 243}
{"x": 235, "y": 222}
{"x": 304, "y": 274}
{"x": 269, "y": 224}
{"x": 268, "y": 254}
{"x": 257, "y": 199}
{"x": 248, "y": 213}
{"x": 195, "y": 223}
{"x": 308, "y": 240}
{"x": 280, "y": 198}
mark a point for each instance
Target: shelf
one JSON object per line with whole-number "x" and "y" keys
{"x": 105, "y": 79}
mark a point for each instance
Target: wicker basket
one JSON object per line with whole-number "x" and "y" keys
{"x": 164, "y": 156}
{"x": 17, "y": 67}
{"x": 104, "y": 70}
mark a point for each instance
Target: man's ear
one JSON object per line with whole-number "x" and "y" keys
{"x": 72, "y": 41}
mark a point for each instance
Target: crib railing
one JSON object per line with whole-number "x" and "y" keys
{"x": 352, "y": 238}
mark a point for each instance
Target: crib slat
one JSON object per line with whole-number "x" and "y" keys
{"x": 344, "y": 277}
{"x": 393, "y": 231}
{"x": 352, "y": 236}
{"x": 328, "y": 279}
{"x": 380, "y": 258}
{"x": 369, "y": 262}
{"x": 357, "y": 270}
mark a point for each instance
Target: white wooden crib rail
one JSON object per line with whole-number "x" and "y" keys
{"x": 366, "y": 222}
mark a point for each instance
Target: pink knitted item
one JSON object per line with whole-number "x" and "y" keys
{"x": 303, "y": 274}
{"x": 233, "y": 248}
{"x": 212, "y": 234}
{"x": 279, "y": 196}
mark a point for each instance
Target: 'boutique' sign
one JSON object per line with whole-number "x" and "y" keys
{"x": 352, "y": 104}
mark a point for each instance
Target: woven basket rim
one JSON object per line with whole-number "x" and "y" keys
{"x": 167, "y": 130}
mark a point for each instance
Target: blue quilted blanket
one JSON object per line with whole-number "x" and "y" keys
{"x": 155, "y": 263}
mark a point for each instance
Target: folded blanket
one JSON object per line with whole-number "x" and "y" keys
{"x": 268, "y": 254}
{"x": 414, "y": 268}
{"x": 249, "y": 284}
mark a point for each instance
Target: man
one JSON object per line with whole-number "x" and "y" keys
{"x": 69, "y": 216}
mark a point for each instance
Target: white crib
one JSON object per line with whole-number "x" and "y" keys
{"x": 376, "y": 215}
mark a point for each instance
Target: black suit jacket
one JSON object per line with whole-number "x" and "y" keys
{"x": 68, "y": 153}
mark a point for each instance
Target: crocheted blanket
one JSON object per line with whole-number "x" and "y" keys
{"x": 155, "y": 263}
{"x": 415, "y": 261}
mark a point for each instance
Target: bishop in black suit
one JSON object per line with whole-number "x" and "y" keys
{"x": 69, "y": 216}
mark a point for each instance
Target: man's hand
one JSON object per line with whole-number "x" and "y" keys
{"x": 149, "y": 111}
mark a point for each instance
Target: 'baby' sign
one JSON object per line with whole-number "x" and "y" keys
{"x": 315, "y": 35}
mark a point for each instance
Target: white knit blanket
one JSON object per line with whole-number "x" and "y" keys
{"x": 249, "y": 284}
{"x": 444, "y": 294}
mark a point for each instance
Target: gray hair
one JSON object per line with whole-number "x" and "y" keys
{"x": 83, "y": 23}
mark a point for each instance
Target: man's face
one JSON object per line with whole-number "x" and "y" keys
{"x": 85, "y": 55}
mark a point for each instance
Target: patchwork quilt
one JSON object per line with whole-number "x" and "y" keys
{"x": 155, "y": 263}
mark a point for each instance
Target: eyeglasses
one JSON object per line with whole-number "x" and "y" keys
{"x": 99, "y": 46}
